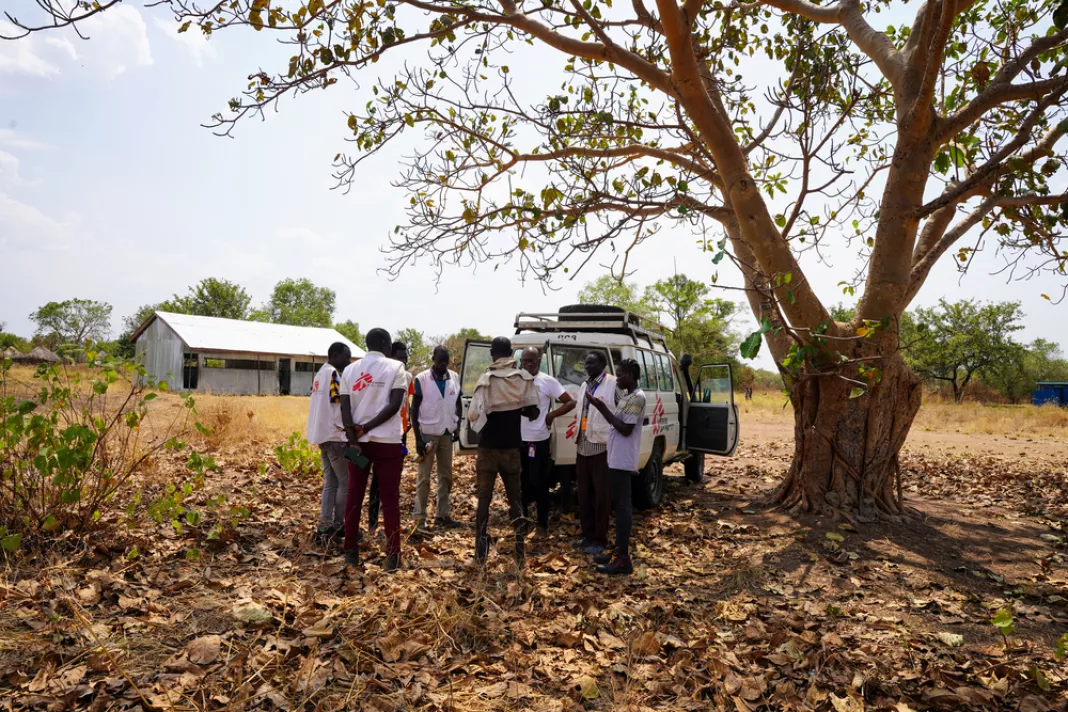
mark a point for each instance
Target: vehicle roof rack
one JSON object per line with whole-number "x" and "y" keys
{"x": 636, "y": 326}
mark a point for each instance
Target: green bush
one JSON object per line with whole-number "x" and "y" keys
{"x": 298, "y": 457}
{"x": 71, "y": 443}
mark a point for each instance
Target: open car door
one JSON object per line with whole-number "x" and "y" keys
{"x": 476, "y": 360}
{"x": 712, "y": 420}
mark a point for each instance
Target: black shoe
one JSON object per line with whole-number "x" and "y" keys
{"x": 352, "y": 557}
{"x": 616, "y": 567}
{"x": 448, "y": 523}
{"x": 604, "y": 557}
{"x": 422, "y": 528}
{"x": 581, "y": 543}
{"x": 323, "y": 536}
{"x": 393, "y": 563}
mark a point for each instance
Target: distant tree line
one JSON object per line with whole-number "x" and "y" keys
{"x": 968, "y": 348}
{"x": 72, "y": 325}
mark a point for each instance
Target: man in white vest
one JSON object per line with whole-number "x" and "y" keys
{"x": 435, "y": 418}
{"x": 326, "y": 429}
{"x": 373, "y": 390}
{"x": 591, "y": 464}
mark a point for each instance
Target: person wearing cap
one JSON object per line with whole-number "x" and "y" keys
{"x": 435, "y": 417}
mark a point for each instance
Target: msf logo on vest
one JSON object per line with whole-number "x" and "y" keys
{"x": 362, "y": 382}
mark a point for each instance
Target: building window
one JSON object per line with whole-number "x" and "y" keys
{"x": 190, "y": 372}
{"x": 239, "y": 364}
{"x": 304, "y": 367}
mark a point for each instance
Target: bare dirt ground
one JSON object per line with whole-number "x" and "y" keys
{"x": 732, "y": 607}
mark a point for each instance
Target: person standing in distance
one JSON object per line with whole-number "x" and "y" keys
{"x": 624, "y": 451}
{"x": 435, "y": 418}
{"x": 373, "y": 390}
{"x": 534, "y": 455}
{"x": 327, "y": 430}
{"x": 503, "y": 395}
{"x": 591, "y": 463}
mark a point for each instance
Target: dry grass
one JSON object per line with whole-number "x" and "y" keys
{"x": 938, "y": 415}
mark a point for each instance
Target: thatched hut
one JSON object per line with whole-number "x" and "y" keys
{"x": 11, "y": 353}
{"x": 39, "y": 354}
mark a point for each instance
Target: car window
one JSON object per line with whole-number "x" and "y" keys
{"x": 664, "y": 371}
{"x": 476, "y": 361}
{"x": 649, "y": 380}
{"x": 569, "y": 364}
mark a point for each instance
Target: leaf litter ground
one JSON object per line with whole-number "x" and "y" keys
{"x": 731, "y": 607}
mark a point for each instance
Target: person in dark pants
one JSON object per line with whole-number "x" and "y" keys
{"x": 534, "y": 455}
{"x": 591, "y": 463}
{"x": 502, "y": 396}
{"x": 624, "y": 452}
{"x": 398, "y": 352}
{"x": 373, "y": 391}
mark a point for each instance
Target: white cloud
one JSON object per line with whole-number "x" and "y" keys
{"x": 118, "y": 41}
{"x": 193, "y": 41}
{"x": 29, "y": 56}
{"x": 13, "y": 139}
{"x": 9, "y": 170}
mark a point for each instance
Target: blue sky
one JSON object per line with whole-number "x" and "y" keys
{"x": 110, "y": 189}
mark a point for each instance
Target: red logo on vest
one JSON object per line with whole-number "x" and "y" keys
{"x": 362, "y": 382}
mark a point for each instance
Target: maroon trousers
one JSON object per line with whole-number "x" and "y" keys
{"x": 387, "y": 459}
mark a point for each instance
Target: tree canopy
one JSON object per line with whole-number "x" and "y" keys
{"x": 956, "y": 340}
{"x": 351, "y": 331}
{"x": 299, "y": 302}
{"x": 72, "y": 322}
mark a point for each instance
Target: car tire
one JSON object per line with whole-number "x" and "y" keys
{"x": 647, "y": 489}
{"x": 694, "y": 467}
{"x": 591, "y": 309}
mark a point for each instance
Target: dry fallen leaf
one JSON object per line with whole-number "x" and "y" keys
{"x": 204, "y": 650}
{"x": 587, "y": 687}
{"x": 953, "y": 640}
{"x": 251, "y": 613}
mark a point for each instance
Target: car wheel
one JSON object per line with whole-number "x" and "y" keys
{"x": 648, "y": 487}
{"x": 694, "y": 466}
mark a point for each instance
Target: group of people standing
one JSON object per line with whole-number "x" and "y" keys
{"x": 361, "y": 412}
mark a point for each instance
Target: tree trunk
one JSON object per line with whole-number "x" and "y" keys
{"x": 846, "y": 450}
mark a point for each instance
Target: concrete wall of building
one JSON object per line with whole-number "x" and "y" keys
{"x": 160, "y": 350}
{"x": 301, "y": 383}
{"x": 231, "y": 381}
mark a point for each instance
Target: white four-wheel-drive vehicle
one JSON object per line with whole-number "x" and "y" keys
{"x": 683, "y": 422}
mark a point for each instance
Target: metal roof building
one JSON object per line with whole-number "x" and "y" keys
{"x": 212, "y": 355}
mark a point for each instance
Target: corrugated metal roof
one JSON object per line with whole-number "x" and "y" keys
{"x": 254, "y": 337}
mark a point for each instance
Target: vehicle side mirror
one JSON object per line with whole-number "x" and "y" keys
{"x": 685, "y": 362}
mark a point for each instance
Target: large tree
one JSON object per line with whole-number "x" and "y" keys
{"x": 212, "y": 297}
{"x": 779, "y": 124}
{"x": 72, "y": 322}
{"x": 300, "y": 302}
{"x": 700, "y": 324}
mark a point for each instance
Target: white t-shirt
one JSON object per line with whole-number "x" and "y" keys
{"x": 549, "y": 389}
{"x": 368, "y": 383}
{"x": 624, "y": 451}
{"x": 324, "y": 411}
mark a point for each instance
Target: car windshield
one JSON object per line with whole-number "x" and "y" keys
{"x": 569, "y": 364}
